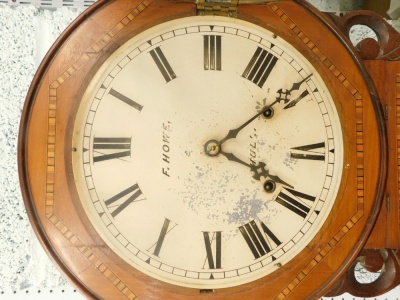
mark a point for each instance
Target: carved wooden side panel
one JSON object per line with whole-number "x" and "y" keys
{"x": 381, "y": 252}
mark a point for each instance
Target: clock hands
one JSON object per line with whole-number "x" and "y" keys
{"x": 214, "y": 147}
{"x": 268, "y": 111}
{"x": 285, "y": 95}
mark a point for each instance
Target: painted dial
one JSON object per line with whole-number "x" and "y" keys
{"x": 209, "y": 152}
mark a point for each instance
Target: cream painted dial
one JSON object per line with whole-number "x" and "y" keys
{"x": 209, "y": 152}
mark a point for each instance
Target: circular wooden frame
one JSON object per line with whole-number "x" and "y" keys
{"x": 45, "y": 151}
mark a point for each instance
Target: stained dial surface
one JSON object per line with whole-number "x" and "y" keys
{"x": 209, "y": 152}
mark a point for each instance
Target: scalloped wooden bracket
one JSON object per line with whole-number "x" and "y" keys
{"x": 387, "y": 47}
{"x": 384, "y": 260}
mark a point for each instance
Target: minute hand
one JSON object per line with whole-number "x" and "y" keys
{"x": 297, "y": 100}
{"x": 234, "y": 132}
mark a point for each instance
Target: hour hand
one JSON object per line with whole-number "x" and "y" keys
{"x": 258, "y": 170}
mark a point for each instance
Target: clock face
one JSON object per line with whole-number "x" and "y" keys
{"x": 208, "y": 152}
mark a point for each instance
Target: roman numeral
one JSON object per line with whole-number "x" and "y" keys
{"x": 293, "y": 200}
{"x": 260, "y": 67}
{"x": 309, "y": 152}
{"x": 259, "y": 243}
{"x": 165, "y": 229}
{"x": 212, "y": 52}
{"x": 214, "y": 261}
{"x": 162, "y": 64}
{"x": 107, "y": 148}
{"x": 117, "y": 206}
{"x": 125, "y": 99}
{"x": 161, "y": 237}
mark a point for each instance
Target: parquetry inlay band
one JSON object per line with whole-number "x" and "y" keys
{"x": 358, "y": 102}
{"x": 51, "y": 149}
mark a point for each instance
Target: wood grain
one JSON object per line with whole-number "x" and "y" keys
{"x": 45, "y": 153}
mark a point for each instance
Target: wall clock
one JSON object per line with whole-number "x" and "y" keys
{"x": 174, "y": 150}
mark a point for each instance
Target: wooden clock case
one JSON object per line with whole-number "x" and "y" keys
{"x": 45, "y": 150}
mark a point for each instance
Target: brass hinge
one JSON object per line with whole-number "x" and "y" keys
{"x": 227, "y": 8}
